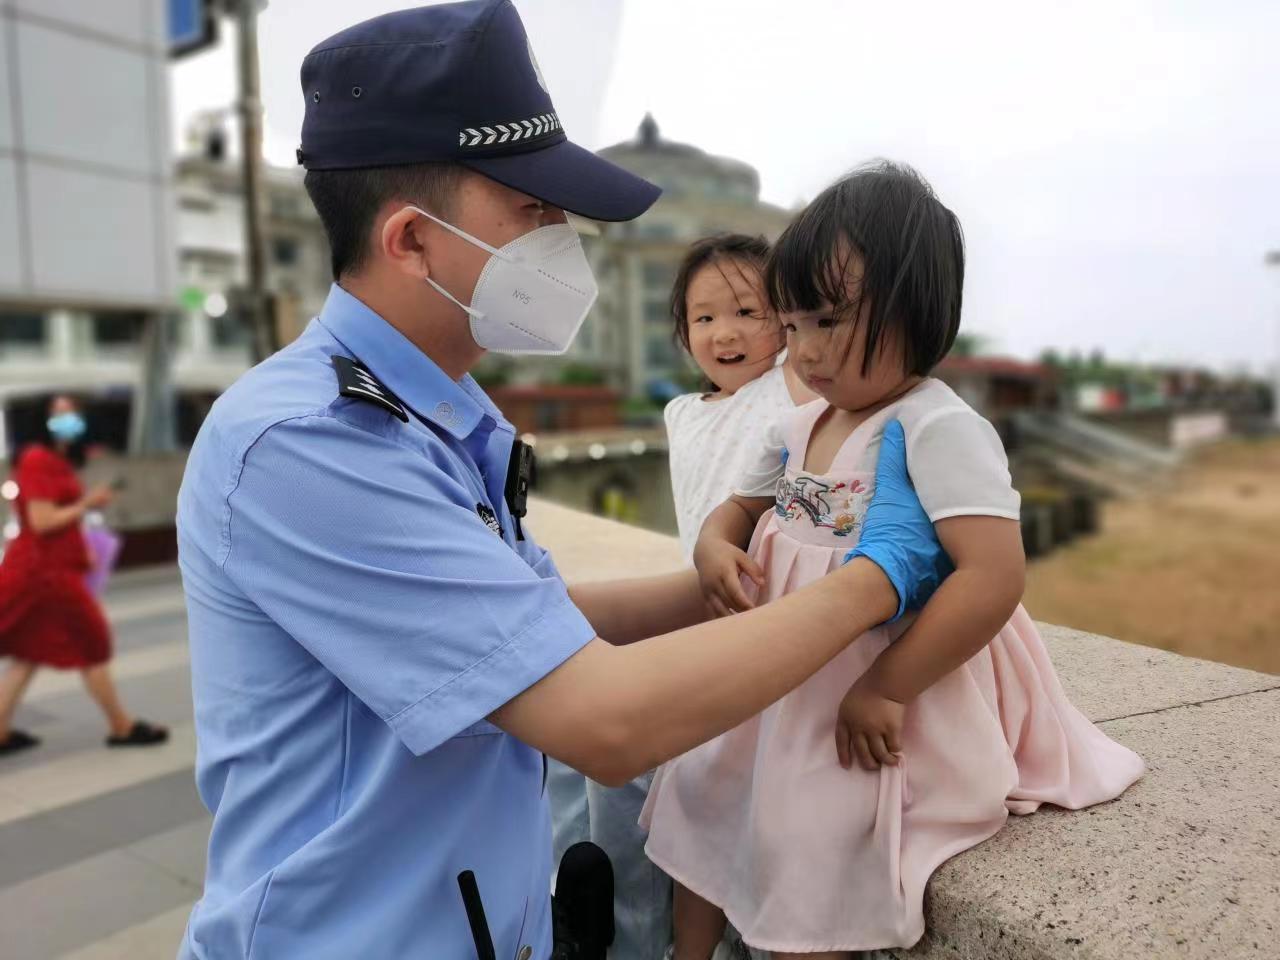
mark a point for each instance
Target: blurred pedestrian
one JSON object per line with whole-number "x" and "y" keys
{"x": 48, "y": 615}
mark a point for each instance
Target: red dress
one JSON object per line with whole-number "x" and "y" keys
{"x": 47, "y": 614}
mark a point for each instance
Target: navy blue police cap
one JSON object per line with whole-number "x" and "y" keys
{"x": 454, "y": 82}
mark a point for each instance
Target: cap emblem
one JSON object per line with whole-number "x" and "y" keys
{"x": 537, "y": 70}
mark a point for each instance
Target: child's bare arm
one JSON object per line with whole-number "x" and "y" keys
{"x": 720, "y": 554}
{"x": 969, "y": 608}
{"x": 735, "y": 520}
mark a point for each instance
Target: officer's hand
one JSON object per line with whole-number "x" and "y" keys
{"x": 897, "y": 535}
{"x": 721, "y": 566}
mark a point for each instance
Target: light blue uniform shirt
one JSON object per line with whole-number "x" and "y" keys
{"x": 353, "y": 620}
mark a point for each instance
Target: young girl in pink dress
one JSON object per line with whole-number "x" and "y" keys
{"x": 815, "y": 826}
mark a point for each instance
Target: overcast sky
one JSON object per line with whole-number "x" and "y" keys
{"x": 1115, "y": 164}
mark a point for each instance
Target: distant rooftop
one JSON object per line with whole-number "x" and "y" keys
{"x": 995, "y": 366}
{"x": 649, "y": 140}
{"x": 649, "y": 150}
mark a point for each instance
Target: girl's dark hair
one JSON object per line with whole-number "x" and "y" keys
{"x": 912, "y": 252}
{"x": 724, "y": 249}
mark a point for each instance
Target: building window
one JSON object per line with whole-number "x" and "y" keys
{"x": 192, "y": 408}
{"x": 657, "y": 313}
{"x": 179, "y": 331}
{"x": 121, "y": 328}
{"x": 548, "y": 415}
{"x": 660, "y": 352}
{"x": 658, "y": 277}
{"x": 22, "y": 330}
{"x": 285, "y": 251}
{"x": 655, "y": 231}
{"x": 284, "y": 206}
{"x": 228, "y": 331}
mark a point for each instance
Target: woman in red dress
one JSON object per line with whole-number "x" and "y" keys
{"x": 48, "y": 617}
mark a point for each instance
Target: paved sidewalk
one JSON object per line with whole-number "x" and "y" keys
{"x": 102, "y": 851}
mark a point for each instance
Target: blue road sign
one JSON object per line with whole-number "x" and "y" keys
{"x": 192, "y": 26}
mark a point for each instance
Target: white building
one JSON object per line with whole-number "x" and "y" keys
{"x": 86, "y": 192}
{"x": 212, "y": 264}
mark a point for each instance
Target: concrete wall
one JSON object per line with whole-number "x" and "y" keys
{"x": 1178, "y": 429}
{"x": 636, "y": 490}
{"x": 1197, "y": 429}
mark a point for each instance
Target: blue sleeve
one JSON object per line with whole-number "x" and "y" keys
{"x": 373, "y": 558}
{"x": 537, "y": 558}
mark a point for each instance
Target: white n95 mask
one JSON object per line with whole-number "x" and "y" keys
{"x": 532, "y": 295}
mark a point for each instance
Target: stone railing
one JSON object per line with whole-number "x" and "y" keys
{"x": 1185, "y": 864}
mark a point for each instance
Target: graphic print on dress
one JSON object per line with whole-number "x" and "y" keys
{"x": 836, "y": 507}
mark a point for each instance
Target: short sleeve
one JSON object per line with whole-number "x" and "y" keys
{"x": 674, "y": 411}
{"x": 959, "y": 467}
{"x": 373, "y": 557}
{"x": 40, "y": 476}
{"x": 539, "y": 559}
{"x": 760, "y": 476}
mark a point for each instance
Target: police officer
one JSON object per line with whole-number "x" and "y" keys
{"x": 380, "y": 654}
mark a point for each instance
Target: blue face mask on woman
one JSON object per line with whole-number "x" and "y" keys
{"x": 67, "y": 427}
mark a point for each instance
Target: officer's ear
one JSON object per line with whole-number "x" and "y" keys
{"x": 404, "y": 242}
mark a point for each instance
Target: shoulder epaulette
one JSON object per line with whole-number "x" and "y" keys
{"x": 355, "y": 381}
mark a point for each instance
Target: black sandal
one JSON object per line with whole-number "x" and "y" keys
{"x": 18, "y": 740}
{"x": 142, "y": 734}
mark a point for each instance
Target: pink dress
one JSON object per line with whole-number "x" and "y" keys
{"x": 805, "y": 856}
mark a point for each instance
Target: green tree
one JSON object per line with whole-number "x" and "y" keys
{"x": 1051, "y": 358}
{"x": 580, "y": 375}
{"x": 493, "y": 373}
{"x": 969, "y": 345}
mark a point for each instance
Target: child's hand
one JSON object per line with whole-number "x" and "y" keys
{"x": 868, "y": 727}
{"x": 720, "y": 568}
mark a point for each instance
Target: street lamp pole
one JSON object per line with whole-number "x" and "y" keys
{"x": 1272, "y": 259}
{"x": 250, "y": 108}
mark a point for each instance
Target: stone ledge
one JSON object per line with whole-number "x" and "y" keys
{"x": 1185, "y": 864}
{"x": 1109, "y": 680}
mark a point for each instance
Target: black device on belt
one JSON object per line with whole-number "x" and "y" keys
{"x": 581, "y": 911}
{"x": 520, "y": 474}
